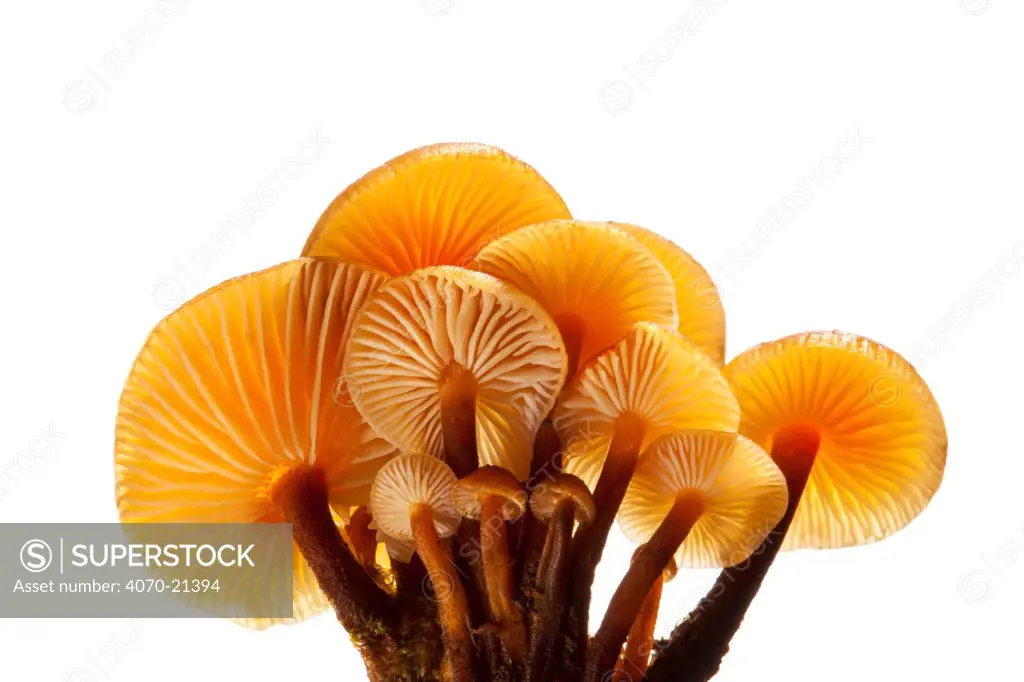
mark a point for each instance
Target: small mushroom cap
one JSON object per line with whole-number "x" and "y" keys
{"x": 418, "y": 326}
{"x": 743, "y": 493}
{"x": 701, "y": 315}
{"x": 407, "y": 481}
{"x": 239, "y": 386}
{"x": 435, "y": 205}
{"x": 883, "y": 440}
{"x": 470, "y": 491}
{"x": 560, "y": 486}
{"x": 659, "y": 377}
{"x": 595, "y": 280}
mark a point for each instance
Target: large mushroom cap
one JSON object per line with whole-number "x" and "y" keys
{"x": 435, "y": 205}
{"x": 595, "y": 280}
{"x": 418, "y": 329}
{"x": 660, "y": 378}
{"x": 701, "y": 315}
{"x": 883, "y": 440}
{"x": 742, "y": 492}
{"x": 410, "y": 480}
{"x": 236, "y": 388}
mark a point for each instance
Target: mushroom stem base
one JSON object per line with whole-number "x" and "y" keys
{"x": 698, "y": 644}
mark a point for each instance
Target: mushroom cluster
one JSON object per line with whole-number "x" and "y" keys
{"x": 455, "y": 392}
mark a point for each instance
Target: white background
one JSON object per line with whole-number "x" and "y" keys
{"x": 697, "y": 120}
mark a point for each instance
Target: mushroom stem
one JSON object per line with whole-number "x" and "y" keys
{"x": 640, "y": 640}
{"x": 653, "y": 559}
{"x": 588, "y": 546}
{"x": 301, "y": 495}
{"x": 498, "y": 576}
{"x": 458, "y": 418}
{"x": 547, "y": 460}
{"x": 571, "y": 327}
{"x": 451, "y": 599}
{"x": 545, "y": 623}
{"x": 698, "y": 644}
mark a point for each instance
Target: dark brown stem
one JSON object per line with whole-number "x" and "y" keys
{"x": 572, "y": 329}
{"x": 651, "y": 562}
{"x": 458, "y": 419}
{"x": 451, "y": 600}
{"x": 546, "y": 463}
{"x": 409, "y": 578}
{"x": 498, "y": 577}
{"x": 633, "y": 664}
{"x": 359, "y": 602}
{"x": 698, "y": 644}
{"x": 588, "y": 545}
{"x": 546, "y": 618}
{"x": 458, "y": 390}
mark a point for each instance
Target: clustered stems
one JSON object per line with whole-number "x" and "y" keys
{"x": 698, "y": 644}
{"x": 301, "y": 496}
{"x": 545, "y": 624}
{"x": 452, "y": 606}
{"x": 589, "y": 543}
{"x": 498, "y": 576}
{"x": 650, "y": 564}
{"x": 394, "y": 631}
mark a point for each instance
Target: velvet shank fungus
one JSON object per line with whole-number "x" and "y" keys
{"x": 435, "y": 205}
{"x": 492, "y": 495}
{"x": 229, "y": 416}
{"x": 708, "y": 499}
{"x": 412, "y": 501}
{"x": 862, "y": 444}
{"x": 651, "y": 383}
{"x": 521, "y": 381}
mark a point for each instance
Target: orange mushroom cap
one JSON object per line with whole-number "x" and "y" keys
{"x": 882, "y": 438}
{"x": 596, "y": 281}
{"x": 701, "y": 315}
{"x": 657, "y": 376}
{"x": 742, "y": 491}
{"x": 418, "y": 327}
{"x": 238, "y": 387}
{"x": 435, "y": 205}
